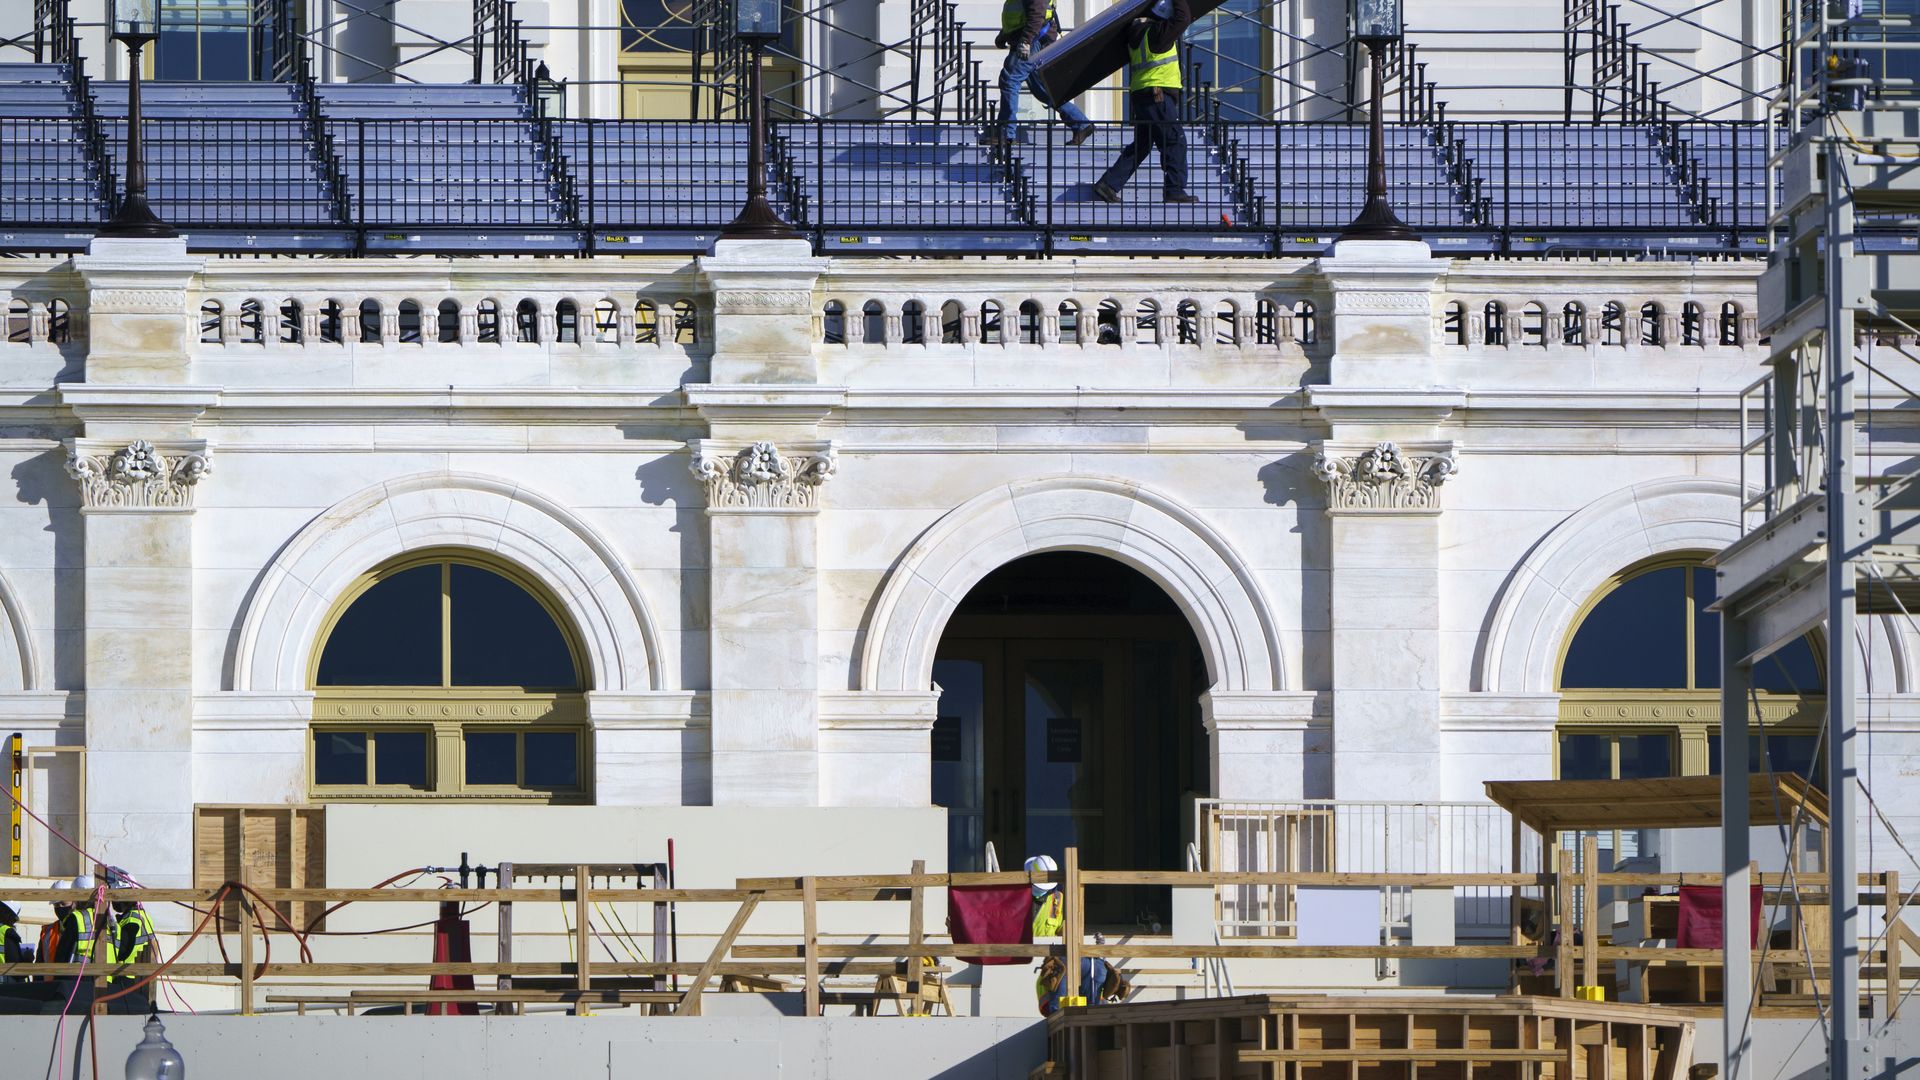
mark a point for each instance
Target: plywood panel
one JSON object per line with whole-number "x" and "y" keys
{"x": 282, "y": 847}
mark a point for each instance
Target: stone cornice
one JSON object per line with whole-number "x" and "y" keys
{"x": 175, "y": 404}
{"x": 658, "y": 710}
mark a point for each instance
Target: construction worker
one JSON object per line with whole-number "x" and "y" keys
{"x": 1100, "y": 983}
{"x": 1027, "y": 26}
{"x": 1153, "y": 85}
{"x": 79, "y": 932}
{"x": 12, "y": 950}
{"x": 50, "y": 933}
{"x": 131, "y": 942}
{"x": 1049, "y": 911}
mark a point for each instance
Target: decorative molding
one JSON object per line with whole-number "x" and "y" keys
{"x": 760, "y": 477}
{"x": 137, "y": 302}
{"x": 137, "y": 476}
{"x": 1385, "y": 479}
{"x": 1376, "y": 302}
{"x": 763, "y": 301}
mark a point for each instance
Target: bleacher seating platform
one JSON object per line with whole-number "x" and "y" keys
{"x": 364, "y": 168}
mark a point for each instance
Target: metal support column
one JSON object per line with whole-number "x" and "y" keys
{"x": 1735, "y": 847}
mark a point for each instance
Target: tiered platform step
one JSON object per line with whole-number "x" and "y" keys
{"x": 923, "y": 187}
{"x": 50, "y": 192}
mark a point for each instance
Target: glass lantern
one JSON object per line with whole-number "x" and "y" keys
{"x": 155, "y": 1058}
{"x": 1376, "y": 20}
{"x": 756, "y": 21}
{"x": 135, "y": 18}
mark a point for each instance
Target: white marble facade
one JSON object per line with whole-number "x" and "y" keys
{"x": 1380, "y": 525}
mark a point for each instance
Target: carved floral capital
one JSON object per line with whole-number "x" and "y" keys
{"x": 1385, "y": 478}
{"x": 137, "y": 476}
{"x": 760, "y": 477}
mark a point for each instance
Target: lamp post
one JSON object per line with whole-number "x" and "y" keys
{"x": 134, "y": 24}
{"x": 1376, "y": 24}
{"x": 757, "y": 23}
{"x": 155, "y": 1058}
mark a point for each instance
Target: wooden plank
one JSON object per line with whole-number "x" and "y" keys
{"x": 1070, "y": 874}
{"x": 810, "y": 943}
{"x": 504, "y": 937}
{"x": 690, "y": 1003}
{"x": 1563, "y": 951}
{"x": 583, "y": 928}
{"x": 1384, "y": 1054}
{"x": 916, "y": 936}
{"x": 1891, "y": 982}
{"x": 1589, "y": 911}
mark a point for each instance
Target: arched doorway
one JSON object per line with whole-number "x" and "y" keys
{"x": 1069, "y": 715}
{"x": 448, "y": 673}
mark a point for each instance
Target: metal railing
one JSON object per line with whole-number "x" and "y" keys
{"x": 1269, "y": 187}
{"x": 1340, "y": 837}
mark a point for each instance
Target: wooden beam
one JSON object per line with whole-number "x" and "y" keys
{"x": 916, "y": 937}
{"x": 1590, "y": 910}
{"x": 690, "y": 1003}
{"x": 1074, "y": 919}
{"x": 810, "y": 943}
{"x": 583, "y": 930}
{"x": 503, "y": 935}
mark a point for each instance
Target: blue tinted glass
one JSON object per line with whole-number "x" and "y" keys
{"x": 400, "y": 757}
{"x": 339, "y": 757}
{"x": 1792, "y": 670}
{"x": 1585, "y": 757}
{"x": 1645, "y": 756}
{"x": 491, "y": 757}
{"x": 503, "y": 637}
{"x": 1706, "y": 630}
{"x": 552, "y": 759}
{"x": 390, "y": 636}
{"x": 1634, "y": 638}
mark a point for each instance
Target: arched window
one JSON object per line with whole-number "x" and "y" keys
{"x": 1266, "y": 322}
{"x": 953, "y": 322}
{"x": 293, "y": 330}
{"x": 913, "y": 323}
{"x": 990, "y": 323}
{"x": 1533, "y": 324}
{"x": 333, "y": 319}
{"x": 448, "y": 330}
{"x": 1730, "y": 324}
{"x": 409, "y": 323}
{"x": 1495, "y": 315}
{"x": 1070, "y": 323}
{"x": 1453, "y": 323}
{"x": 1652, "y": 333}
{"x": 59, "y": 322}
{"x": 1640, "y": 680}
{"x": 833, "y": 323}
{"x": 686, "y": 323}
{"x": 646, "y": 323}
{"x": 873, "y": 322}
{"x": 1109, "y": 320}
{"x": 1226, "y": 323}
{"x": 486, "y": 321}
{"x": 20, "y": 323}
{"x": 1146, "y": 322}
{"x": 526, "y": 321}
{"x": 606, "y": 322}
{"x": 566, "y": 323}
{"x": 211, "y": 332}
{"x": 1306, "y": 323}
{"x": 1693, "y": 329}
{"x": 1186, "y": 322}
{"x": 1029, "y": 322}
{"x": 369, "y": 322}
{"x": 253, "y": 326}
{"x": 443, "y": 673}
{"x": 1613, "y": 323}
{"x": 1573, "y": 323}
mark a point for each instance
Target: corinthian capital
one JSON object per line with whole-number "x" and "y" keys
{"x": 1384, "y": 479}
{"x": 137, "y": 475}
{"x": 759, "y": 477}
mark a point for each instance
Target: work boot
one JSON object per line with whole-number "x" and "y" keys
{"x": 1179, "y": 197}
{"x": 1104, "y": 193}
{"x": 1080, "y": 135}
{"x": 991, "y": 138}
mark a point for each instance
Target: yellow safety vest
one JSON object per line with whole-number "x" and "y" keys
{"x": 1013, "y": 16}
{"x": 82, "y": 929}
{"x": 1048, "y": 917}
{"x": 1149, "y": 70}
{"x": 142, "y": 941}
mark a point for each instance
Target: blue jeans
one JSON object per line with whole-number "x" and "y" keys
{"x": 1013, "y": 78}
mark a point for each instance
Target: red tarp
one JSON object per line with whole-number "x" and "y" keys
{"x": 1703, "y": 923}
{"x": 451, "y": 945}
{"x": 990, "y": 915}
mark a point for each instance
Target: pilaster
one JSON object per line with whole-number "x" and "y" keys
{"x": 1261, "y": 742}
{"x": 762, "y": 311}
{"x": 139, "y": 325}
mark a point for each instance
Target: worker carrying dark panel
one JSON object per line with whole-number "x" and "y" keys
{"x": 1079, "y": 61}
{"x": 1026, "y": 27}
{"x": 1153, "y": 96}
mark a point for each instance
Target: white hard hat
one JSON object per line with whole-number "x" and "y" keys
{"x": 63, "y": 883}
{"x": 84, "y": 881}
{"x": 1046, "y": 864}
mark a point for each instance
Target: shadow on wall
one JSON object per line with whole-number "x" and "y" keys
{"x": 42, "y": 481}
